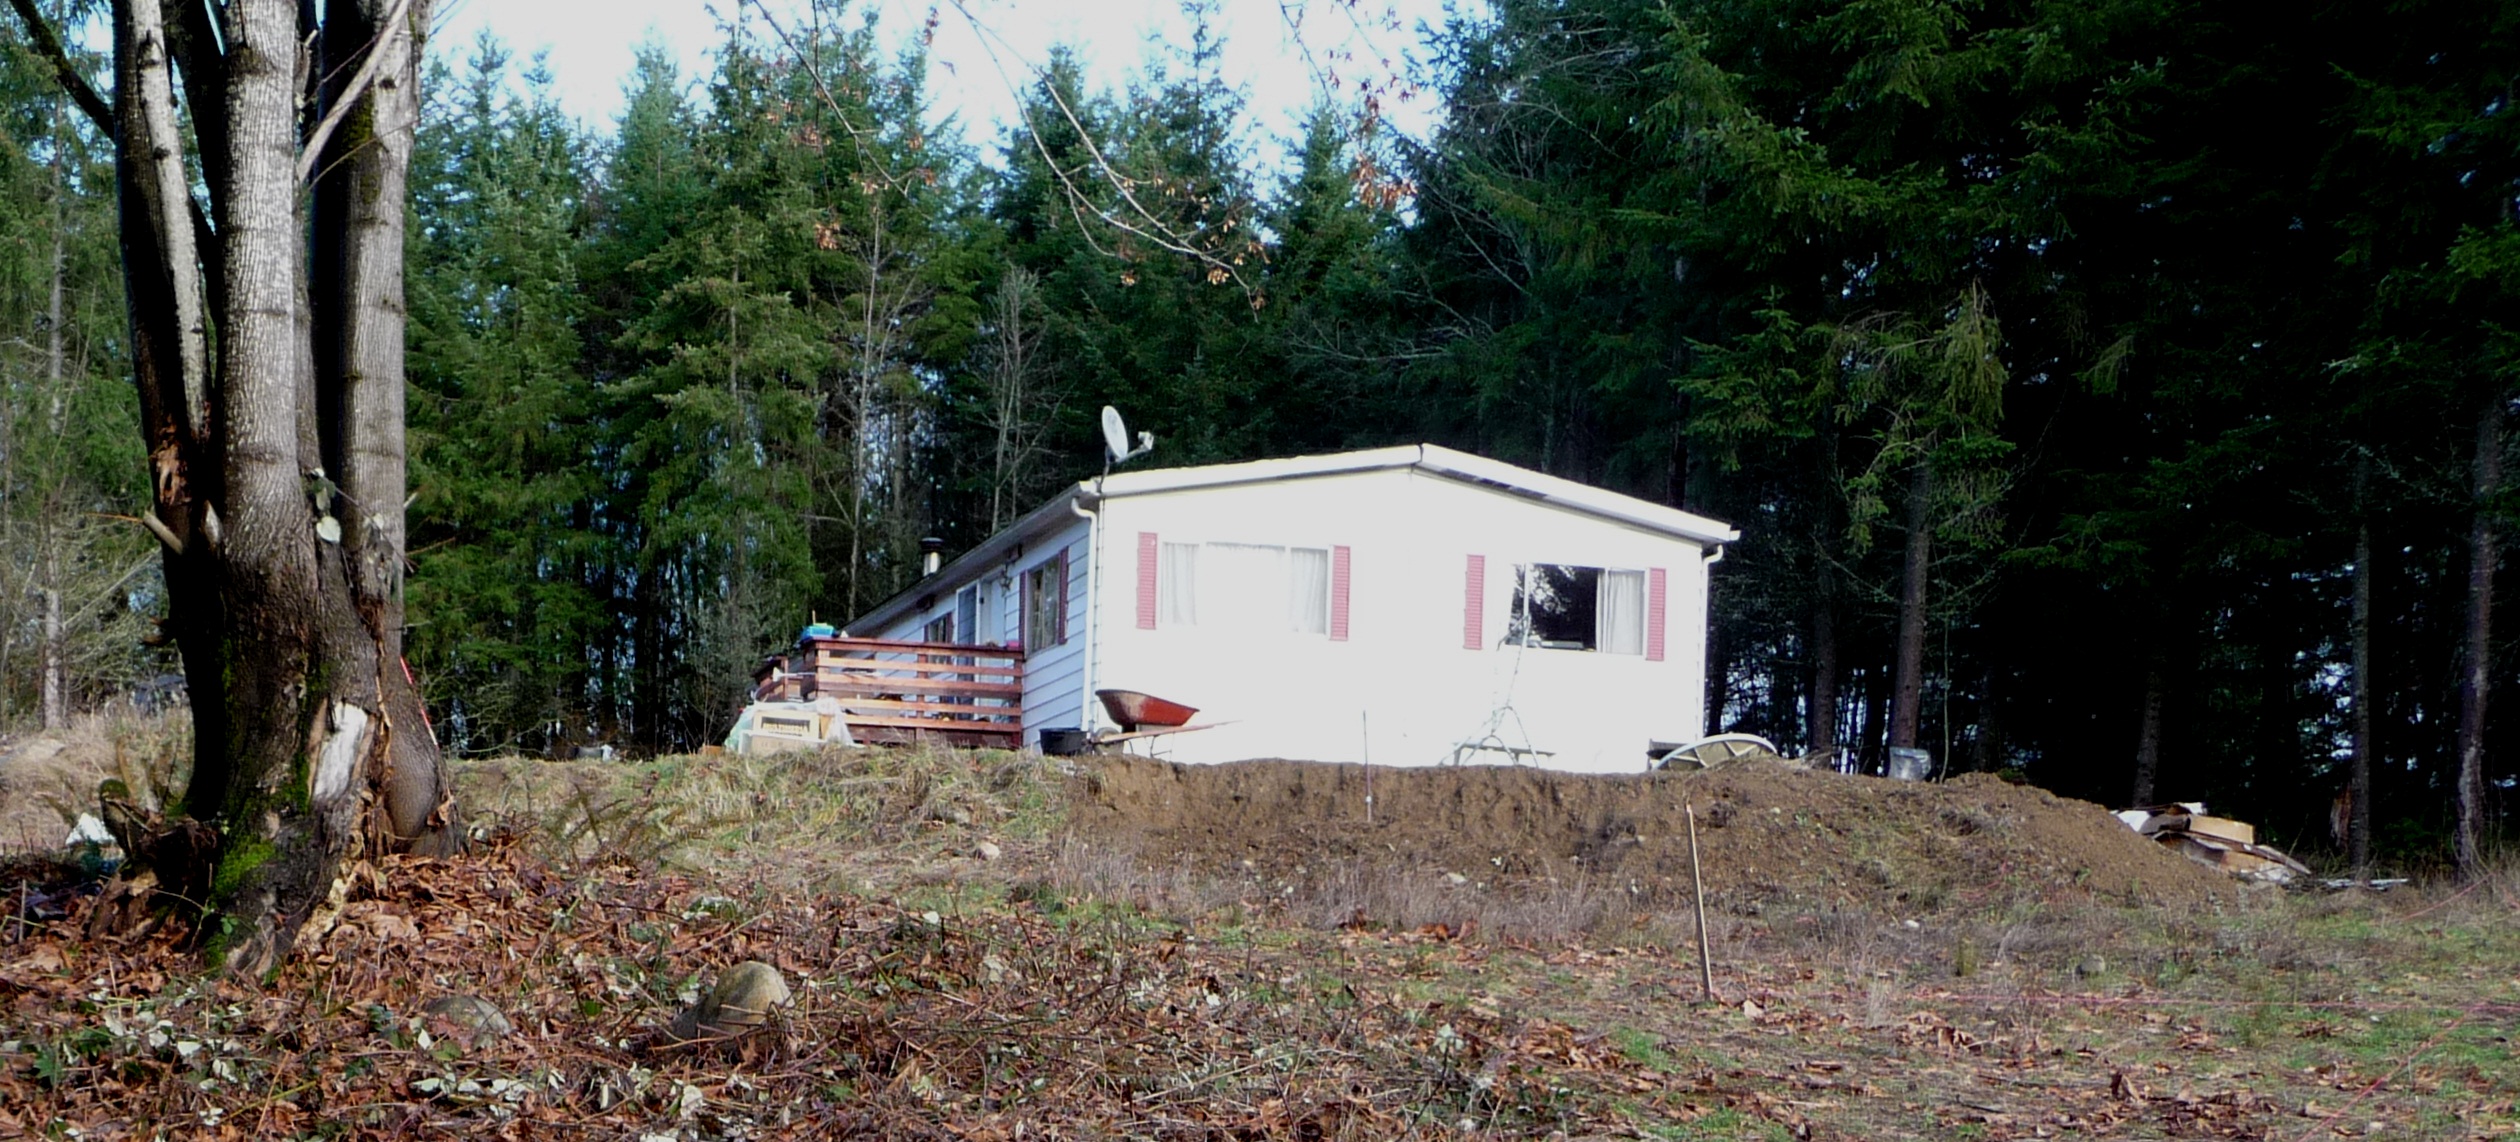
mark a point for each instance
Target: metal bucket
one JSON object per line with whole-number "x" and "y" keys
{"x": 1909, "y": 764}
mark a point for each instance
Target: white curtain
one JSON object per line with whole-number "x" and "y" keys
{"x": 1245, "y": 585}
{"x": 1308, "y": 590}
{"x": 1619, "y": 619}
{"x": 1177, "y": 585}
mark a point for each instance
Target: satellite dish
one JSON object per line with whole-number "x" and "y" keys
{"x": 1115, "y": 434}
{"x": 1116, "y": 449}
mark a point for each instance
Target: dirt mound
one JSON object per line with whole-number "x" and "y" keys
{"x": 1767, "y": 832}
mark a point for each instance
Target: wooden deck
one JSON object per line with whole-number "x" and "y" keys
{"x": 897, "y": 692}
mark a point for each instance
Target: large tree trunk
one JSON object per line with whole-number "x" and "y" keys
{"x": 358, "y": 341}
{"x": 278, "y": 466}
{"x": 274, "y": 859}
{"x": 1909, "y": 680}
{"x": 2476, "y": 663}
{"x": 2358, "y": 784}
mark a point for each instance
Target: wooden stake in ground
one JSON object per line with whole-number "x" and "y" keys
{"x": 1365, "y": 749}
{"x": 1697, "y": 883}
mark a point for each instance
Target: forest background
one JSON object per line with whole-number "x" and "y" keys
{"x": 2135, "y": 370}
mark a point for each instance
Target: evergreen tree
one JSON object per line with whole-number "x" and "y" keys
{"x": 509, "y": 571}
{"x": 78, "y": 581}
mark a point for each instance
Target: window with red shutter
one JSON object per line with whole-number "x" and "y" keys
{"x": 1657, "y": 604}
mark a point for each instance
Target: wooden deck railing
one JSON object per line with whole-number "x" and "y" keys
{"x": 899, "y": 691}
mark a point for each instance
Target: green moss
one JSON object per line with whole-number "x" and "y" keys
{"x": 237, "y": 864}
{"x": 300, "y": 789}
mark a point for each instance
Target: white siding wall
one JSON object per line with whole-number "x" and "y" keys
{"x": 1403, "y": 689}
{"x": 1054, "y": 676}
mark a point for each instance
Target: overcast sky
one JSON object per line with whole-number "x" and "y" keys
{"x": 1277, "y": 51}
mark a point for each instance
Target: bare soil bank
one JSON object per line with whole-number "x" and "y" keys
{"x": 1767, "y": 833}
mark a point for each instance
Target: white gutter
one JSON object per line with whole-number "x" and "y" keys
{"x": 1093, "y": 607}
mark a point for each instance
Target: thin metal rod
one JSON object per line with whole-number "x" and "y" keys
{"x": 1697, "y": 882}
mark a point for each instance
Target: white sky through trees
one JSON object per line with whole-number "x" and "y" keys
{"x": 1278, "y": 52}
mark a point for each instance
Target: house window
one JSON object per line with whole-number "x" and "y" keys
{"x": 1045, "y": 604}
{"x": 1564, "y": 607}
{"x": 939, "y": 629}
{"x": 1244, "y": 587}
{"x": 967, "y": 614}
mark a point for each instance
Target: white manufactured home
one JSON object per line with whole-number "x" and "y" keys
{"x": 1405, "y": 606}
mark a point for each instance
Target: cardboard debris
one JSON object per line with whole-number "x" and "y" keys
{"x": 2217, "y": 842}
{"x": 2223, "y": 829}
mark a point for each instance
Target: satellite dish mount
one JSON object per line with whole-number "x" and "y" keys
{"x": 1116, "y": 447}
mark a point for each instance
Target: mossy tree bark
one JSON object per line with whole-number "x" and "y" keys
{"x": 267, "y": 329}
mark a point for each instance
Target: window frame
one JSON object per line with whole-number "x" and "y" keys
{"x": 1034, "y": 579}
{"x": 1521, "y": 630}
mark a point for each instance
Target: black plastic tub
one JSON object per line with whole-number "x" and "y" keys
{"x": 1065, "y": 742}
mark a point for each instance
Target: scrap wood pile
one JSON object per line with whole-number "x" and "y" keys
{"x": 2216, "y": 842}
{"x": 493, "y": 994}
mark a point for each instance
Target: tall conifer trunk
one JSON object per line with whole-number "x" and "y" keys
{"x": 2476, "y": 661}
{"x": 2148, "y": 733}
{"x": 1823, "y": 712}
{"x": 1909, "y": 682}
{"x": 2358, "y": 783}
{"x": 1869, "y": 749}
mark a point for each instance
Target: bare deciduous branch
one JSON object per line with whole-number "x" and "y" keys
{"x": 1148, "y": 227}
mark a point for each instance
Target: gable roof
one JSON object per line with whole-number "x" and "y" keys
{"x": 1071, "y": 503}
{"x": 1437, "y": 461}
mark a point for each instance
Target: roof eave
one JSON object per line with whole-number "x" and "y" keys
{"x": 1580, "y": 497}
{"x": 965, "y": 566}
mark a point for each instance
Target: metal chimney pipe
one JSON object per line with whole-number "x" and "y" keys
{"x": 931, "y": 555}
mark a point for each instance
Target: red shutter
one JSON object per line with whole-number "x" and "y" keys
{"x": 1338, "y": 594}
{"x": 1474, "y": 611}
{"x": 1657, "y": 603}
{"x": 1146, "y": 580}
